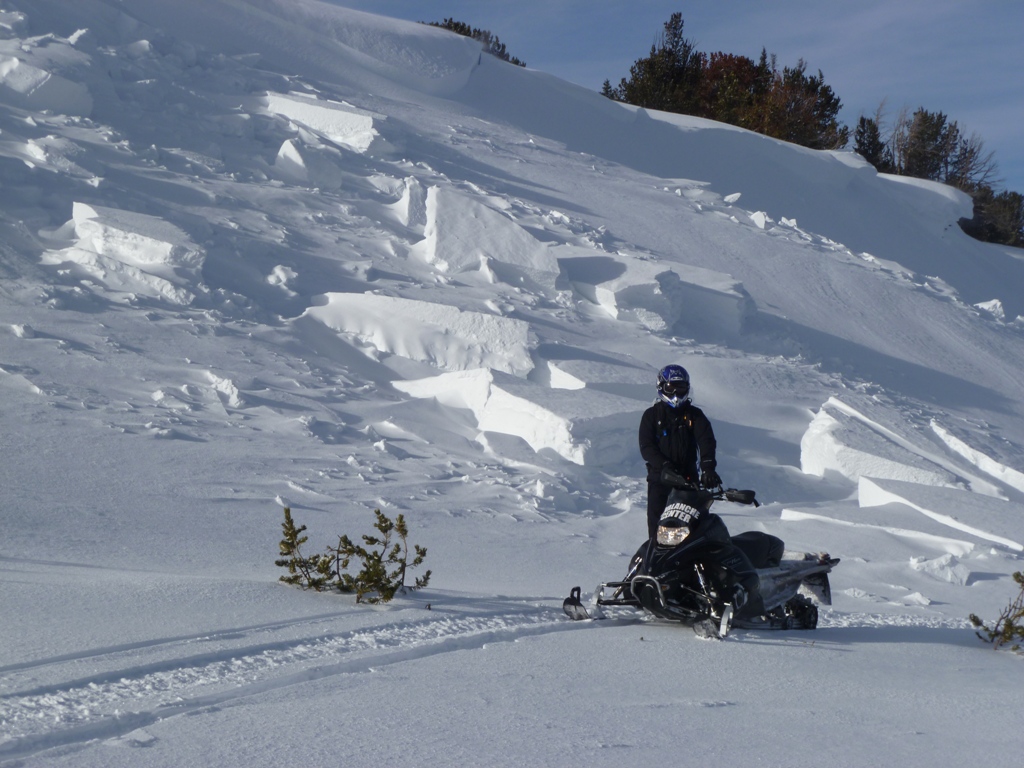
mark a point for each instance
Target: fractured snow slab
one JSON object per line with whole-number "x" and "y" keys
{"x": 134, "y": 238}
{"x": 411, "y": 209}
{"x": 944, "y": 568}
{"x": 912, "y": 535}
{"x": 582, "y": 430}
{"x": 557, "y": 377}
{"x": 985, "y": 517}
{"x": 986, "y": 464}
{"x": 993, "y": 307}
{"x": 445, "y": 336}
{"x": 132, "y": 253}
{"x": 226, "y": 389}
{"x": 837, "y": 440}
{"x": 299, "y": 164}
{"x": 560, "y": 368}
{"x": 13, "y": 24}
{"x": 658, "y": 295}
{"x": 36, "y": 89}
{"x": 340, "y": 123}
{"x": 463, "y": 234}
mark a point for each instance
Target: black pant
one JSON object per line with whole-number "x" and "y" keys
{"x": 732, "y": 567}
{"x": 657, "y": 499}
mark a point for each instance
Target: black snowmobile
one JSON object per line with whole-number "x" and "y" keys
{"x": 694, "y": 572}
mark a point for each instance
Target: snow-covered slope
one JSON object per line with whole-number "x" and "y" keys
{"x": 257, "y": 253}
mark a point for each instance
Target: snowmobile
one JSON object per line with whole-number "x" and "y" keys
{"x": 694, "y": 572}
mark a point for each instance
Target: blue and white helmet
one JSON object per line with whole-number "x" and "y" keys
{"x": 674, "y": 385}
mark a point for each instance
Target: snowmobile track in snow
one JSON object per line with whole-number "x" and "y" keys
{"x": 135, "y": 685}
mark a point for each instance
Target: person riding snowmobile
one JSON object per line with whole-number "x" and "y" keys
{"x": 677, "y": 434}
{"x": 678, "y": 445}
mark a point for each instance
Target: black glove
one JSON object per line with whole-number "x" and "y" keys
{"x": 710, "y": 479}
{"x": 671, "y": 477}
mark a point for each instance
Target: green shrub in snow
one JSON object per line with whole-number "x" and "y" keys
{"x": 383, "y": 561}
{"x": 1009, "y": 627}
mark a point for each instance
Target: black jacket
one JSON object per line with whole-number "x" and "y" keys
{"x": 680, "y": 436}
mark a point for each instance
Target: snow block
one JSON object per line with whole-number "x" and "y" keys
{"x": 987, "y": 464}
{"x": 685, "y": 300}
{"x": 13, "y": 24}
{"x": 581, "y": 430}
{"x": 558, "y": 377}
{"x": 299, "y": 164}
{"x": 134, "y": 238}
{"x": 836, "y": 441}
{"x": 340, "y": 123}
{"x": 463, "y": 234}
{"x": 28, "y": 87}
{"x": 132, "y": 253}
{"x": 944, "y": 568}
{"x": 226, "y": 389}
{"x": 445, "y": 336}
{"x": 595, "y": 373}
{"x": 290, "y": 164}
{"x": 982, "y": 516}
{"x": 411, "y": 209}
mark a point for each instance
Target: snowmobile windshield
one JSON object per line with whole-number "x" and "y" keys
{"x": 700, "y": 500}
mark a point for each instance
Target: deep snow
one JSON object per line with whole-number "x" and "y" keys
{"x": 258, "y": 253}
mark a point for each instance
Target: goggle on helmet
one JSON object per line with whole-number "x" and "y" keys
{"x": 674, "y": 385}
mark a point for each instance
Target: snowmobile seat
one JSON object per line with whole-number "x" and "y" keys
{"x": 763, "y": 549}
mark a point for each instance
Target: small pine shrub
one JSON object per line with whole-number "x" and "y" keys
{"x": 384, "y": 561}
{"x": 383, "y": 571}
{"x": 1009, "y": 627}
{"x": 307, "y": 572}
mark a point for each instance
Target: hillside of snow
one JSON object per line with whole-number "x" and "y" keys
{"x": 269, "y": 253}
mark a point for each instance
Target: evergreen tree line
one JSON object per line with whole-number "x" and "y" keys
{"x": 927, "y": 145}
{"x": 797, "y": 107}
{"x": 786, "y": 104}
{"x": 491, "y": 43}
{"x": 801, "y": 108}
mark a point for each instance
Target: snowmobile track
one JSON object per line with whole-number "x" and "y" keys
{"x": 143, "y": 683}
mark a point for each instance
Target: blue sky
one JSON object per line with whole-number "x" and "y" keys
{"x": 964, "y": 58}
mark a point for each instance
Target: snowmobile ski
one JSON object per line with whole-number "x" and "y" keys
{"x": 573, "y": 606}
{"x": 712, "y": 628}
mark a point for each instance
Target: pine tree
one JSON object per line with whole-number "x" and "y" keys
{"x": 998, "y": 218}
{"x": 972, "y": 167}
{"x": 789, "y": 105}
{"x": 928, "y": 143}
{"x": 731, "y": 89}
{"x": 307, "y": 572}
{"x": 669, "y": 79}
{"x": 1006, "y": 214}
{"x": 867, "y": 142}
{"x": 802, "y": 109}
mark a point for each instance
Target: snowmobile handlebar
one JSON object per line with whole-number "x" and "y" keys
{"x": 739, "y": 496}
{"x": 670, "y": 477}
